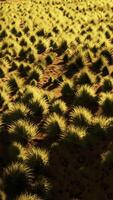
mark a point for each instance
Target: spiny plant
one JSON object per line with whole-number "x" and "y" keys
{"x": 16, "y": 112}
{"x": 106, "y": 103}
{"x": 74, "y": 136}
{"x": 17, "y": 178}
{"x": 86, "y": 97}
{"x": 97, "y": 130}
{"x": 15, "y": 152}
{"x": 41, "y": 47}
{"x": 28, "y": 196}
{"x": 41, "y": 187}
{"x": 67, "y": 90}
{"x": 85, "y": 77}
{"x": 37, "y": 160}
{"x": 81, "y": 117}
{"x": 59, "y": 107}
{"x": 35, "y": 74}
{"x": 22, "y": 131}
{"x": 107, "y": 84}
{"x": 55, "y": 127}
{"x": 14, "y": 83}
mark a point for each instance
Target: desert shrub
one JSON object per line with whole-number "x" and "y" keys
{"x": 23, "y": 70}
{"x": 67, "y": 90}
{"x": 62, "y": 48}
{"x": 86, "y": 97}
{"x": 41, "y": 47}
{"x": 35, "y": 74}
{"x": 55, "y": 127}
{"x": 97, "y": 65}
{"x": 22, "y": 54}
{"x": 2, "y": 72}
{"x": 22, "y": 131}
{"x": 14, "y": 84}
{"x": 37, "y": 160}
{"x": 38, "y": 107}
{"x": 107, "y": 84}
{"x": 97, "y": 130}
{"x": 59, "y": 107}
{"x": 28, "y": 196}
{"x": 16, "y": 112}
{"x": 17, "y": 178}
{"x": 85, "y": 77}
{"x": 81, "y": 117}
{"x": 15, "y": 152}
{"x": 106, "y": 103}
{"x": 74, "y": 136}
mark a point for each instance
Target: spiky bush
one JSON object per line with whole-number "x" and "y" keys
{"x": 27, "y": 196}
{"x": 74, "y": 136}
{"x": 14, "y": 84}
{"x": 35, "y": 74}
{"x": 106, "y": 103}
{"x": 16, "y": 112}
{"x": 37, "y": 160}
{"x": 15, "y": 152}
{"x": 107, "y": 84}
{"x": 59, "y": 107}
{"x": 85, "y": 77}
{"x": 86, "y": 97}
{"x": 17, "y": 178}
{"x": 22, "y": 131}
{"x": 81, "y": 117}
{"x": 55, "y": 126}
{"x": 67, "y": 88}
{"x": 97, "y": 130}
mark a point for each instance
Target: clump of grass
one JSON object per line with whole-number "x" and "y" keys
{"x": 67, "y": 90}
{"x": 81, "y": 117}
{"x": 16, "y": 112}
{"x": 14, "y": 83}
{"x": 85, "y": 77}
{"x": 107, "y": 84}
{"x": 17, "y": 178}
{"x": 41, "y": 47}
{"x": 55, "y": 127}
{"x": 35, "y": 74}
{"x": 75, "y": 136}
{"x": 27, "y": 196}
{"x": 97, "y": 130}
{"x": 16, "y": 152}
{"x": 22, "y": 131}
{"x": 37, "y": 160}
{"x": 86, "y": 97}
{"x": 59, "y": 107}
{"x": 106, "y": 103}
